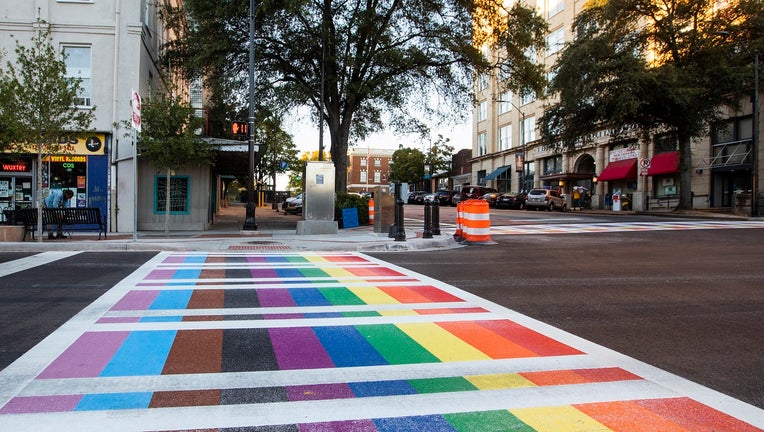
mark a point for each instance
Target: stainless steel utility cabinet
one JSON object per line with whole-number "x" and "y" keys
{"x": 318, "y": 201}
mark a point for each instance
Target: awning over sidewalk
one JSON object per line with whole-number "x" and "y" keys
{"x": 497, "y": 172}
{"x": 619, "y": 170}
{"x": 568, "y": 176}
{"x": 664, "y": 163}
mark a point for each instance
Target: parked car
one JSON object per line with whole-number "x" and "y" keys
{"x": 293, "y": 205}
{"x": 474, "y": 192}
{"x": 491, "y": 197}
{"x": 511, "y": 201}
{"x": 416, "y": 197}
{"x": 546, "y": 199}
{"x": 455, "y": 198}
{"x": 444, "y": 196}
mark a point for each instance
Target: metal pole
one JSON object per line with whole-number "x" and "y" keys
{"x": 135, "y": 188}
{"x": 755, "y": 143}
{"x": 522, "y": 143}
{"x": 327, "y": 4}
{"x": 249, "y": 223}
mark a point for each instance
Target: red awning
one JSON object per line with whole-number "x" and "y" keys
{"x": 619, "y": 170}
{"x": 664, "y": 163}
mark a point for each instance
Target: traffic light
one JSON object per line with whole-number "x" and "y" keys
{"x": 240, "y": 128}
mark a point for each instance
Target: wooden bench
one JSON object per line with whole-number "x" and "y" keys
{"x": 70, "y": 218}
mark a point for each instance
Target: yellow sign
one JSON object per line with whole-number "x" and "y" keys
{"x": 92, "y": 145}
{"x": 65, "y": 158}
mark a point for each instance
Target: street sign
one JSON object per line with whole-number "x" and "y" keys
{"x": 644, "y": 165}
{"x": 135, "y": 103}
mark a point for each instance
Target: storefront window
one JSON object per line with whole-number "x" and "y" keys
{"x": 553, "y": 165}
{"x": 66, "y": 172}
{"x": 179, "y": 194}
{"x": 16, "y": 184}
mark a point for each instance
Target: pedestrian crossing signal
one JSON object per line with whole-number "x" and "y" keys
{"x": 239, "y": 128}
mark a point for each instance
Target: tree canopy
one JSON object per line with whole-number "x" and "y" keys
{"x": 656, "y": 65}
{"x": 408, "y": 166}
{"x": 169, "y": 133}
{"x": 382, "y": 62}
{"x": 439, "y": 154}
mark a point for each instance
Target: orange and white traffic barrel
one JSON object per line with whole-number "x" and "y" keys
{"x": 371, "y": 211}
{"x": 459, "y": 234}
{"x": 476, "y": 221}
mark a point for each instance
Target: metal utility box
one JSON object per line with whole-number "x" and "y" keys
{"x": 384, "y": 210}
{"x": 318, "y": 199}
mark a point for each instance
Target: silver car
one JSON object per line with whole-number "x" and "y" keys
{"x": 546, "y": 199}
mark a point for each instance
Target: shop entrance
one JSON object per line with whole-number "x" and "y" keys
{"x": 725, "y": 184}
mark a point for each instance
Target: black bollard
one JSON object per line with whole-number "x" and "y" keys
{"x": 435, "y": 217}
{"x": 427, "y": 220}
{"x": 400, "y": 234}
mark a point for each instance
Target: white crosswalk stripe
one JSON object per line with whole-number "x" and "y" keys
{"x": 622, "y": 227}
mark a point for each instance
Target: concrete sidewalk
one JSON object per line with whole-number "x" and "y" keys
{"x": 275, "y": 231}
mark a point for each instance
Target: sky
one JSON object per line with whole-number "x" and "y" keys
{"x": 305, "y": 134}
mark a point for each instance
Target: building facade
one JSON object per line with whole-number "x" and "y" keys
{"x": 643, "y": 173}
{"x": 368, "y": 168}
{"x": 114, "y": 47}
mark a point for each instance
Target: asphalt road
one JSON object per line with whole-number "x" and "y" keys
{"x": 37, "y": 301}
{"x": 690, "y": 302}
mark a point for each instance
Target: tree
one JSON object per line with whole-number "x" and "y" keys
{"x": 39, "y": 104}
{"x": 169, "y": 141}
{"x": 280, "y": 154}
{"x": 656, "y": 65}
{"x": 408, "y": 166}
{"x": 381, "y": 61}
{"x": 439, "y": 154}
{"x": 297, "y": 169}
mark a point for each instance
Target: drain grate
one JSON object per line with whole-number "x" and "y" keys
{"x": 259, "y": 247}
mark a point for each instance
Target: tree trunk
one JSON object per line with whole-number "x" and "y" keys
{"x": 340, "y": 135}
{"x": 685, "y": 172}
{"x": 167, "y": 203}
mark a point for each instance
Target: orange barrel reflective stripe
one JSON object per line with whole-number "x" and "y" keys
{"x": 477, "y": 222}
{"x": 371, "y": 211}
{"x": 459, "y": 234}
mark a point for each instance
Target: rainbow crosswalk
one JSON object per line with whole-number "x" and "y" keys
{"x": 332, "y": 342}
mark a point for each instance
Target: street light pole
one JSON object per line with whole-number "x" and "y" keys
{"x": 324, "y": 14}
{"x": 755, "y": 137}
{"x": 249, "y": 222}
